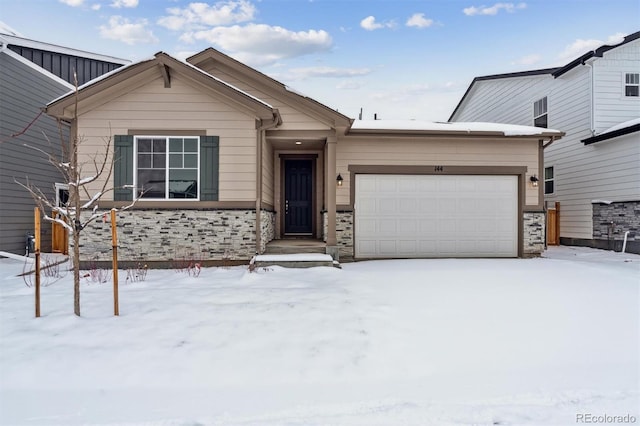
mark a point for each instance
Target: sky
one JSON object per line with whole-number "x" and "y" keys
{"x": 398, "y": 59}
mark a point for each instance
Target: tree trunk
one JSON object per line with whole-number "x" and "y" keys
{"x": 76, "y": 272}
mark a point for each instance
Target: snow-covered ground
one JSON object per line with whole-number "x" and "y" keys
{"x": 399, "y": 342}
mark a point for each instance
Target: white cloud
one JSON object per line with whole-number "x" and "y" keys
{"x": 184, "y": 54}
{"x": 262, "y": 44}
{"x": 348, "y": 85}
{"x": 121, "y": 29}
{"x": 124, "y": 3}
{"x": 369, "y": 23}
{"x": 419, "y": 21}
{"x": 493, "y": 10}
{"x": 96, "y": 6}
{"x": 73, "y": 3}
{"x": 581, "y": 46}
{"x": 531, "y": 59}
{"x": 196, "y": 16}
{"x": 328, "y": 72}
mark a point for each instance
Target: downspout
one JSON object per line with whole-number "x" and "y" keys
{"x": 592, "y": 106}
{"x": 261, "y": 129}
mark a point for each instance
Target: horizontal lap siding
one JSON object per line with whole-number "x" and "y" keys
{"x": 23, "y": 92}
{"x": 612, "y": 107}
{"x": 445, "y": 152}
{"x": 292, "y": 118}
{"x": 185, "y": 107}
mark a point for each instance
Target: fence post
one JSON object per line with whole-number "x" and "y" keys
{"x": 36, "y": 225}
{"x": 114, "y": 242}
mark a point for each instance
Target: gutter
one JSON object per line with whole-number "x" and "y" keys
{"x": 275, "y": 121}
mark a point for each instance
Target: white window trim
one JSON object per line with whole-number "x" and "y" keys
{"x": 624, "y": 85}
{"x": 546, "y": 110}
{"x": 545, "y": 180}
{"x": 135, "y": 167}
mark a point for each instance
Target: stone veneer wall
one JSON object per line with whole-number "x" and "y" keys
{"x": 267, "y": 228}
{"x": 611, "y": 221}
{"x": 534, "y": 233}
{"x": 163, "y": 235}
{"x": 344, "y": 232}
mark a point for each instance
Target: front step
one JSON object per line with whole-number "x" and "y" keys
{"x": 295, "y": 246}
{"x": 294, "y": 260}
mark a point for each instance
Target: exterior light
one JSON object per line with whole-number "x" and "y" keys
{"x": 339, "y": 179}
{"x": 298, "y": 142}
{"x": 534, "y": 180}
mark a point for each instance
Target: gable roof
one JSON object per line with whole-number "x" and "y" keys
{"x": 554, "y": 72}
{"x": 306, "y": 103}
{"x": 163, "y": 65}
{"x": 13, "y": 40}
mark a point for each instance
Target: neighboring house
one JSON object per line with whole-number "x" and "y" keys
{"x": 31, "y": 74}
{"x": 209, "y": 142}
{"x": 594, "y": 171}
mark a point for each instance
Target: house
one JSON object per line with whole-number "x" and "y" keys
{"x": 225, "y": 159}
{"x": 594, "y": 171}
{"x": 32, "y": 74}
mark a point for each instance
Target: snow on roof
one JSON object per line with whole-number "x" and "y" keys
{"x": 622, "y": 125}
{"x": 33, "y": 44}
{"x": 117, "y": 70}
{"x": 428, "y": 126}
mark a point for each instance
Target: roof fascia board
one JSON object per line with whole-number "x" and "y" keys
{"x": 447, "y": 133}
{"x": 259, "y": 108}
{"x": 314, "y": 108}
{"x": 611, "y": 135}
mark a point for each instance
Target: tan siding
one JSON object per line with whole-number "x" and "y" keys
{"x": 441, "y": 152}
{"x": 180, "y": 107}
{"x": 292, "y": 118}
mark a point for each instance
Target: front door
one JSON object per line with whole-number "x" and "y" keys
{"x": 298, "y": 197}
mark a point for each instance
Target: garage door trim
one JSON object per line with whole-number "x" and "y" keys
{"x": 519, "y": 171}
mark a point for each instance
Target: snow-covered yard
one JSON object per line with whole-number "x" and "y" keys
{"x": 403, "y": 342}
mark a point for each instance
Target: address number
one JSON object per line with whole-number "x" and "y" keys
{"x": 438, "y": 169}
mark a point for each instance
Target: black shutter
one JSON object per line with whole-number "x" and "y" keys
{"x": 209, "y": 167}
{"x": 123, "y": 167}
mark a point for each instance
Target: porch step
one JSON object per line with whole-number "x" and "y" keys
{"x": 293, "y": 246}
{"x": 297, "y": 260}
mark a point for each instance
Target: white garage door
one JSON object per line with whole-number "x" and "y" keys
{"x": 436, "y": 216}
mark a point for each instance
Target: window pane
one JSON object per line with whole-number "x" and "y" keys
{"x": 191, "y": 145}
{"x": 159, "y": 161}
{"x": 159, "y": 145}
{"x": 191, "y": 161}
{"x": 544, "y": 104}
{"x": 548, "y": 173}
{"x": 548, "y": 187}
{"x": 632, "y": 78}
{"x": 175, "y": 145}
{"x": 541, "y": 121}
{"x": 631, "y": 91}
{"x": 183, "y": 184}
{"x": 144, "y": 145}
{"x": 144, "y": 161}
{"x": 175, "y": 160}
{"x": 151, "y": 183}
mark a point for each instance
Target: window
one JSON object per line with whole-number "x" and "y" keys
{"x": 167, "y": 167}
{"x": 540, "y": 113}
{"x": 548, "y": 180}
{"x": 632, "y": 84}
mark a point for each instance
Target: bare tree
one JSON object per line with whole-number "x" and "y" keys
{"x": 82, "y": 206}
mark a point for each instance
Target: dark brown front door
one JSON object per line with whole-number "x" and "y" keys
{"x": 298, "y": 195}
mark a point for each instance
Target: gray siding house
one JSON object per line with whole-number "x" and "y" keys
{"x": 31, "y": 74}
{"x": 594, "y": 171}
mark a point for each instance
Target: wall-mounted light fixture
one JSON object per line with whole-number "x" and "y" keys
{"x": 534, "y": 180}
{"x": 298, "y": 142}
{"x": 339, "y": 179}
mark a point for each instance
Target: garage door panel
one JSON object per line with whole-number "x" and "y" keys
{"x": 436, "y": 216}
